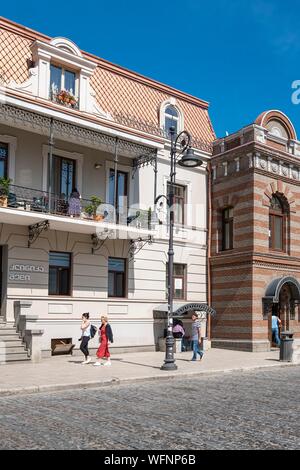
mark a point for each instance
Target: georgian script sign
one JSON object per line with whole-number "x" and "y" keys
{"x": 196, "y": 307}
{"x": 21, "y": 272}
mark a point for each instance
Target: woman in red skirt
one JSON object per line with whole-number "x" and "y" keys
{"x": 106, "y": 337}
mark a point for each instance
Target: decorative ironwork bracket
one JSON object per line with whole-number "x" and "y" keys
{"x": 144, "y": 160}
{"x": 35, "y": 230}
{"x": 97, "y": 242}
{"x": 137, "y": 245}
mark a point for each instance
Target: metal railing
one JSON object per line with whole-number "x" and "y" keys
{"x": 33, "y": 200}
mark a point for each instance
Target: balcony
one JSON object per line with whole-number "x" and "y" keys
{"x": 27, "y": 206}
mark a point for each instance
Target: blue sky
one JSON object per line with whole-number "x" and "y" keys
{"x": 240, "y": 55}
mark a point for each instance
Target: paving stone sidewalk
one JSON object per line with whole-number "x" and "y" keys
{"x": 67, "y": 372}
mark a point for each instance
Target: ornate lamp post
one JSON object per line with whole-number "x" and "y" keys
{"x": 181, "y": 153}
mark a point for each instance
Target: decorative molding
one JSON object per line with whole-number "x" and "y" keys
{"x": 70, "y": 132}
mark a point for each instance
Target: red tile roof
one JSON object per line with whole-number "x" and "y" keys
{"x": 118, "y": 90}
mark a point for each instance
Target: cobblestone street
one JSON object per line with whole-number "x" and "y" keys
{"x": 249, "y": 410}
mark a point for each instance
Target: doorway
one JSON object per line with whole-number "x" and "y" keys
{"x": 120, "y": 199}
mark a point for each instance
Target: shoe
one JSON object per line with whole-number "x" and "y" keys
{"x": 97, "y": 364}
{"x": 88, "y": 360}
{"x": 193, "y": 360}
{"x": 108, "y": 363}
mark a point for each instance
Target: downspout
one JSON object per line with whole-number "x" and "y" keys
{"x": 50, "y": 182}
{"x": 209, "y": 224}
{"x": 115, "y": 202}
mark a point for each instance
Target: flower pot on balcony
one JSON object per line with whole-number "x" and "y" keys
{"x": 3, "y": 201}
{"x": 98, "y": 217}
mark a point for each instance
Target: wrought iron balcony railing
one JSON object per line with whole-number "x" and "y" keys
{"x": 33, "y": 200}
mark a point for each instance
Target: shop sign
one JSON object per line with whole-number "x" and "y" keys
{"x": 22, "y": 272}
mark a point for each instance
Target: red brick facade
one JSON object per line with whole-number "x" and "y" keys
{"x": 248, "y": 168}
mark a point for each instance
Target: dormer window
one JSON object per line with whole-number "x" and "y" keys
{"x": 171, "y": 119}
{"x": 62, "y": 79}
{"x": 62, "y": 74}
{"x": 170, "y": 115}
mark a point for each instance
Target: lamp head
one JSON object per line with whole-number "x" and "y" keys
{"x": 189, "y": 159}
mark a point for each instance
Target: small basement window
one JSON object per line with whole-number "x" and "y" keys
{"x": 61, "y": 346}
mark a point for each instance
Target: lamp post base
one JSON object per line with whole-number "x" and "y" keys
{"x": 169, "y": 360}
{"x": 169, "y": 366}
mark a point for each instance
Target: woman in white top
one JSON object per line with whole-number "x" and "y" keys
{"x": 85, "y": 337}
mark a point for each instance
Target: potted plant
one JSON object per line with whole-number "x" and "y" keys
{"x": 65, "y": 97}
{"x": 4, "y": 190}
{"x": 91, "y": 209}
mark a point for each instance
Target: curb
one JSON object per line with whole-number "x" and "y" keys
{"x": 127, "y": 381}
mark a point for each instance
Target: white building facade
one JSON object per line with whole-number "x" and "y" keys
{"x": 71, "y": 120}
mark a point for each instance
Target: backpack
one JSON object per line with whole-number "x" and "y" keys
{"x": 93, "y": 330}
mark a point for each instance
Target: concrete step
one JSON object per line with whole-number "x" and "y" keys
{"x": 12, "y": 343}
{"x": 12, "y": 350}
{"x": 16, "y": 357}
{"x": 14, "y": 337}
{"x": 7, "y": 328}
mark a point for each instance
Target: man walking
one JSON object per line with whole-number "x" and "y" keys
{"x": 196, "y": 337}
{"x": 276, "y": 322}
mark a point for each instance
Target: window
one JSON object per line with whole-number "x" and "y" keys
{"x": 178, "y": 203}
{"x": 277, "y": 225}
{"x": 116, "y": 277}
{"x": 179, "y": 278}
{"x": 59, "y": 273}
{"x": 171, "y": 119}
{"x": 227, "y": 229}
{"x": 61, "y": 79}
{"x": 3, "y": 159}
{"x": 63, "y": 177}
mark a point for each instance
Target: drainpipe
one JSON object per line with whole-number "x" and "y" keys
{"x": 51, "y": 143}
{"x": 116, "y": 181}
{"x": 209, "y": 223}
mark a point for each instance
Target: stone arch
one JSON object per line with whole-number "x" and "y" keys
{"x": 280, "y": 188}
{"x": 274, "y": 115}
{"x": 66, "y": 45}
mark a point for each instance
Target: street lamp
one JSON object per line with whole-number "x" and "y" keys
{"x": 181, "y": 153}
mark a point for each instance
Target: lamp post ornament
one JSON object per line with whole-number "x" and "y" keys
{"x": 185, "y": 157}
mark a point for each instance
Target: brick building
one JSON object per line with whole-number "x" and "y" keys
{"x": 255, "y": 247}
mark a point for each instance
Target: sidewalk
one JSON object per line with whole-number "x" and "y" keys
{"x": 67, "y": 372}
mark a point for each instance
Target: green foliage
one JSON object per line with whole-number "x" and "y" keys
{"x": 91, "y": 209}
{"x": 4, "y": 186}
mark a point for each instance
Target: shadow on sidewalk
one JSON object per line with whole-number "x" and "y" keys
{"x": 118, "y": 360}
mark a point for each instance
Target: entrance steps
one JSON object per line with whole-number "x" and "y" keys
{"x": 11, "y": 345}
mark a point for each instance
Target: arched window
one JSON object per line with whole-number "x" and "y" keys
{"x": 277, "y": 224}
{"x": 171, "y": 119}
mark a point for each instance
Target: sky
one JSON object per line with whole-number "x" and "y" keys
{"x": 241, "y": 56}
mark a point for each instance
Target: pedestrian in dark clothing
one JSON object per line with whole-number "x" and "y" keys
{"x": 85, "y": 337}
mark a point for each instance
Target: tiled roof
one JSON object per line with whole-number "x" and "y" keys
{"x": 118, "y": 92}
{"x": 14, "y": 53}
